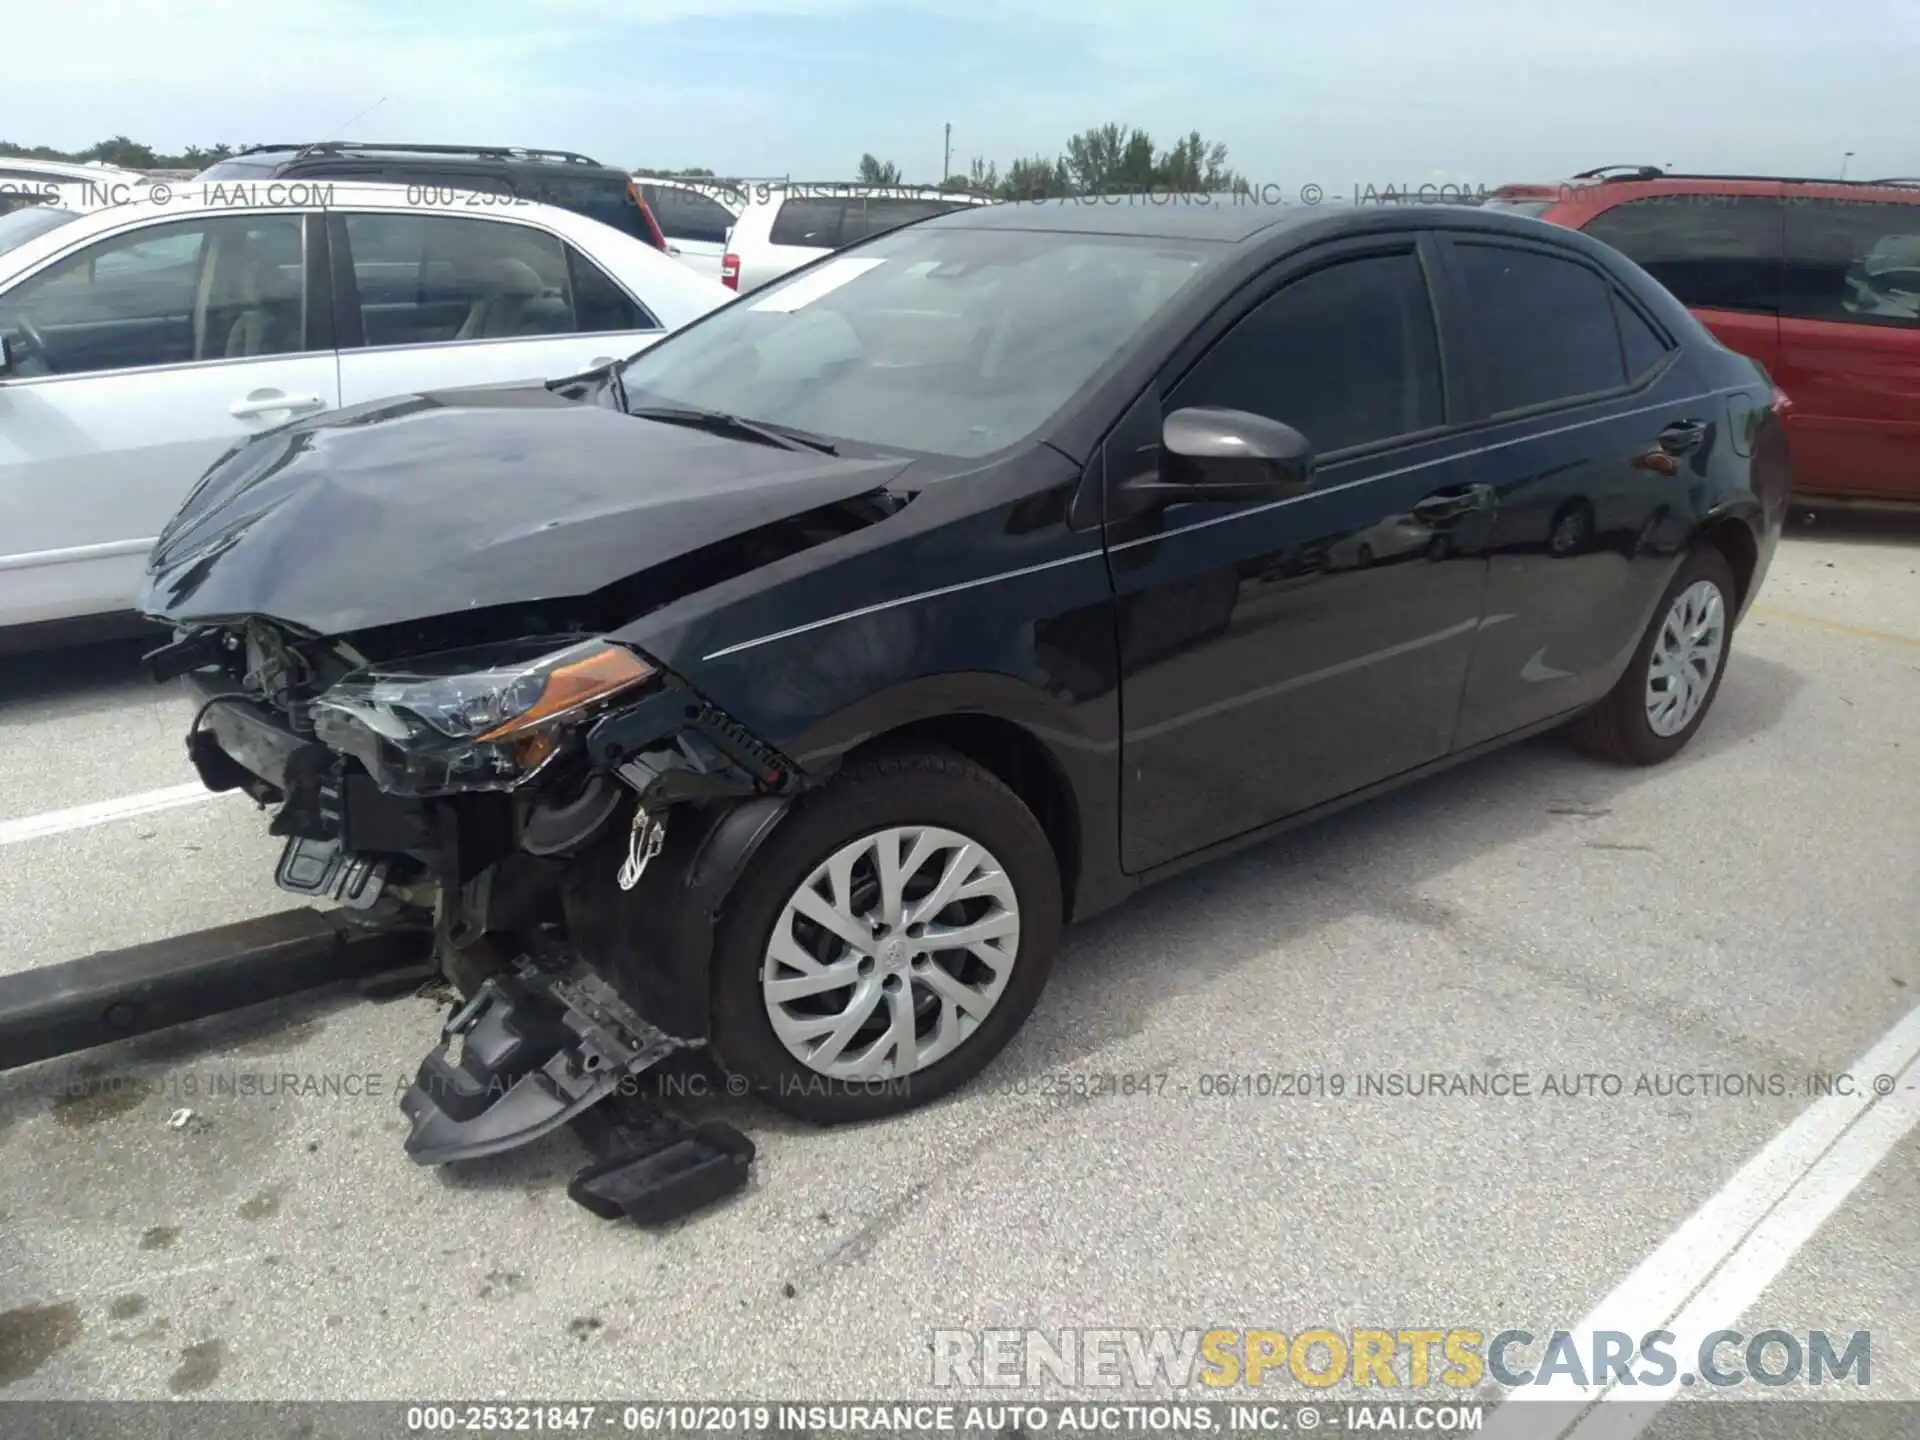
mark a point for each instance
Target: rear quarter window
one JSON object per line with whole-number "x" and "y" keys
{"x": 808, "y": 220}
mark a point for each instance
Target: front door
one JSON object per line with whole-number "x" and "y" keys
{"x": 441, "y": 301}
{"x": 137, "y": 362}
{"x": 1275, "y": 656}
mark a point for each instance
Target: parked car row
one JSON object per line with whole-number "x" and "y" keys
{"x": 140, "y": 341}
{"x": 1818, "y": 280}
{"x": 138, "y": 338}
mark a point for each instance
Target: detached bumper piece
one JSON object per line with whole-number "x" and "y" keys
{"x": 652, "y": 1167}
{"x": 538, "y": 1049}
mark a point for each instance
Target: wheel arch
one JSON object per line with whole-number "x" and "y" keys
{"x": 1016, "y": 757}
{"x": 1732, "y": 533}
{"x": 1058, "y": 756}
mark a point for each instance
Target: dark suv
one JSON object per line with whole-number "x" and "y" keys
{"x": 552, "y": 177}
{"x": 1818, "y": 280}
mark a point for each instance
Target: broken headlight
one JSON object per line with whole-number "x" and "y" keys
{"x": 486, "y": 719}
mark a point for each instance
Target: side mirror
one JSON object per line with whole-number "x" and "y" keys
{"x": 1211, "y": 454}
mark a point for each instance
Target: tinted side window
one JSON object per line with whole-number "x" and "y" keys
{"x": 429, "y": 279}
{"x": 1544, "y": 326}
{"x": 600, "y": 304}
{"x": 1853, "y": 261}
{"x": 872, "y": 215}
{"x": 609, "y": 200}
{"x": 221, "y": 289}
{"x": 1714, "y": 252}
{"x": 1345, "y": 355}
{"x": 806, "y": 220}
{"x": 1642, "y": 343}
{"x": 685, "y": 215}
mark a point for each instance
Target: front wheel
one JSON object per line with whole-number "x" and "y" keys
{"x": 1661, "y": 700}
{"x": 888, "y": 941}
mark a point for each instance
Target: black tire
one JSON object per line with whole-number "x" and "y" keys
{"x": 919, "y": 786}
{"x": 1617, "y": 729}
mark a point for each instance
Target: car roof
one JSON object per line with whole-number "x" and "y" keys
{"x": 396, "y": 152}
{"x": 221, "y": 197}
{"x": 69, "y": 169}
{"x": 771, "y": 192}
{"x": 1243, "y": 220}
{"x": 1219, "y": 217}
{"x": 1636, "y": 182}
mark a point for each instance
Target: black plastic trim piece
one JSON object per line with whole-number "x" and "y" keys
{"x": 60, "y": 1009}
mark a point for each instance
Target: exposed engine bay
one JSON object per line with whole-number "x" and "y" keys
{"x": 565, "y": 816}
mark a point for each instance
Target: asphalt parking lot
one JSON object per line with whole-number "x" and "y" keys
{"x": 1751, "y": 910}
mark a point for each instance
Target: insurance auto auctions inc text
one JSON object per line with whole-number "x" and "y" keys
{"x": 1455, "y": 1359}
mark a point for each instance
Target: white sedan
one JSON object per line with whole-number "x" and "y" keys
{"x": 139, "y": 342}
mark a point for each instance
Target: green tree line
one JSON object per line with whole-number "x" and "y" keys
{"x": 1104, "y": 160}
{"x": 126, "y": 153}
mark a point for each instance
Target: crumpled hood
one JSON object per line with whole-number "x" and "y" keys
{"x": 434, "y": 504}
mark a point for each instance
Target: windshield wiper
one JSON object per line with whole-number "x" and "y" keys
{"x": 719, "y": 423}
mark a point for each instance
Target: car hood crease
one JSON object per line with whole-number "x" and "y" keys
{"x": 436, "y": 504}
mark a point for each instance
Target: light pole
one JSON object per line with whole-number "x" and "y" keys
{"x": 1843, "y": 164}
{"x": 946, "y": 156}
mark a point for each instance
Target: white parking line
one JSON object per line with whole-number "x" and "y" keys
{"x": 57, "y": 822}
{"x": 1718, "y": 1264}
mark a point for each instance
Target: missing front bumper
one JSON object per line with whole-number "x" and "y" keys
{"x": 543, "y": 1046}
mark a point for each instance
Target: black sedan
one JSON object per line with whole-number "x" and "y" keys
{"x": 786, "y": 689}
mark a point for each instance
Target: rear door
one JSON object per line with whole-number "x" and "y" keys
{"x": 430, "y": 301}
{"x": 1591, "y": 436}
{"x": 1720, "y": 255}
{"x": 139, "y": 360}
{"x": 1850, "y": 341}
{"x": 1275, "y": 656}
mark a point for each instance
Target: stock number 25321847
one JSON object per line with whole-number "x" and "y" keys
{"x": 1092, "y": 1083}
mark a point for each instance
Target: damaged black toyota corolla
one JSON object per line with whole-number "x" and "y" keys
{"x": 784, "y": 689}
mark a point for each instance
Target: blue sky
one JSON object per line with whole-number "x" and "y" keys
{"x": 1393, "y": 91}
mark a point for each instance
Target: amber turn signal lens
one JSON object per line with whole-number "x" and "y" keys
{"x": 580, "y": 682}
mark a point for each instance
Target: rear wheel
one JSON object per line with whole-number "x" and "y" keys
{"x": 888, "y": 941}
{"x": 1661, "y": 700}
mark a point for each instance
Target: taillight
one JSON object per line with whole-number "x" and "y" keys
{"x": 730, "y": 271}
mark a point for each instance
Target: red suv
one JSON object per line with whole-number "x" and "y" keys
{"x": 1818, "y": 280}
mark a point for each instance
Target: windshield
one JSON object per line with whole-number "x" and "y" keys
{"x": 945, "y": 340}
{"x": 22, "y": 225}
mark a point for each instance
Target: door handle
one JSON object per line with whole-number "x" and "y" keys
{"x": 265, "y": 402}
{"x": 1682, "y": 436}
{"x": 1443, "y": 507}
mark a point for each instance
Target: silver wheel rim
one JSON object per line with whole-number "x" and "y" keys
{"x": 1686, "y": 656}
{"x": 891, "y": 953}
